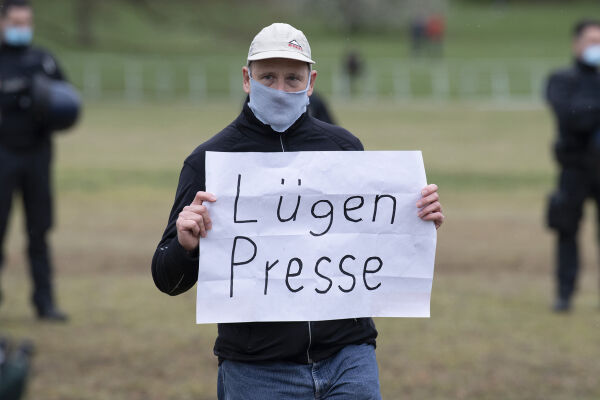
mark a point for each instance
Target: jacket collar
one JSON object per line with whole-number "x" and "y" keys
{"x": 583, "y": 67}
{"x": 13, "y": 49}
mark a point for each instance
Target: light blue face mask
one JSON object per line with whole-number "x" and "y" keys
{"x": 591, "y": 55}
{"x": 18, "y": 36}
{"x": 277, "y": 108}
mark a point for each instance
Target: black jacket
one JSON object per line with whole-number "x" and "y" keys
{"x": 174, "y": 270}
{"x": 574, "y": 95}
{"x": 18, "y": 65}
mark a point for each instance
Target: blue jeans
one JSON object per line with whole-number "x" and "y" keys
{"x": 350, "y": 374}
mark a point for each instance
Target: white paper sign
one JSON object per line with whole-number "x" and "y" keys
{"x": 311, "y": 236}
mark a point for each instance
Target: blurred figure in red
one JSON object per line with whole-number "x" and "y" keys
{"x": 435, "y": 29}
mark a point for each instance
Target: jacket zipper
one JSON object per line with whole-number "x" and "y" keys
{"x": 310, "y": 361}
{"x": 281, "y": 141}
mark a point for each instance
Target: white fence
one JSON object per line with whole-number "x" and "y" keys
{"x": 437, "y": 80}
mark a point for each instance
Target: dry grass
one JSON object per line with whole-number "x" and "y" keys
{"x": 491, "y": 335}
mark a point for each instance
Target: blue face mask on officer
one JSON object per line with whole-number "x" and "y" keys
{"x": 277, "y": 108}
{"x": 591, "y": 55}
{"x": 18, "y": 36}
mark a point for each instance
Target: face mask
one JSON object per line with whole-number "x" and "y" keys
{"x": 277, "y": 108}
{"x": 591, "y": 55}
{"x": 18, "y": 36}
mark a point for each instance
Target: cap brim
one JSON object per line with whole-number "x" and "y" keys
{"x": 292, "y": 55}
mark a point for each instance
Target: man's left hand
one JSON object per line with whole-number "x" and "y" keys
{"x": 430, "y": 208}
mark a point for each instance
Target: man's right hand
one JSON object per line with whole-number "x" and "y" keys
{"x": 194, "y": 221}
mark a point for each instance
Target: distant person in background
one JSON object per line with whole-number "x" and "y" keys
{"x": 435, "y": 29}
{"x": 574, "y": 95}
{"x": 26, "y": 125}
{"x": 418, "y": 35}
{"x": 353, "y": 66}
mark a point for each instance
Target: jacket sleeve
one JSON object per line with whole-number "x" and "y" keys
{"x": 574, "y": 113}
{"x": 174, "y": 269}
{"x": 359, "y": 145}
{"x": 51, "y": 67}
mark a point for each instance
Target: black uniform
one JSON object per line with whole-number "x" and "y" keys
{"x": 25, "y": 157}
{"x": 574, "y": 95}
{"x": 175, "y": 270}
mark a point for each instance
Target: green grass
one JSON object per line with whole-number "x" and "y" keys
{"x": 491, "y": 335}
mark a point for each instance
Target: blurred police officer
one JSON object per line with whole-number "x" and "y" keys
{"x": 25, "y": 145}
{"x": 574, "y": 95}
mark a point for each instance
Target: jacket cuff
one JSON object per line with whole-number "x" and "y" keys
{"x": 181, "y": 257}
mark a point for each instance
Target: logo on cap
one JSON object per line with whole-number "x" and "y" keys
{"x": 295, "y": 44}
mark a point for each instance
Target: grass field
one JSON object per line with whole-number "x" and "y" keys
{"x": 491, "y": 335}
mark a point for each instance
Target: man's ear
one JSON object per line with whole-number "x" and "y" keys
{"x": 246, "y": 77}
{"x": 313, "y": 78}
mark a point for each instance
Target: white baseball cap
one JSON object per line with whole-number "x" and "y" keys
{"x": 280, "y": 40}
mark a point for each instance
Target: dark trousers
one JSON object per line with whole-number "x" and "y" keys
{"x": 575, "y": 186}
{"x": 28, "y": 173}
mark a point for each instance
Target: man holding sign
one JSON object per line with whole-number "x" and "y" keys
{"x": 289, "y": 244}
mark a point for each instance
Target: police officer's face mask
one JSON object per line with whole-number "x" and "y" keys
{"x": 18, "y": 36}
{"x": 277, "y": 108}
{"x": 591, "y": 55}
